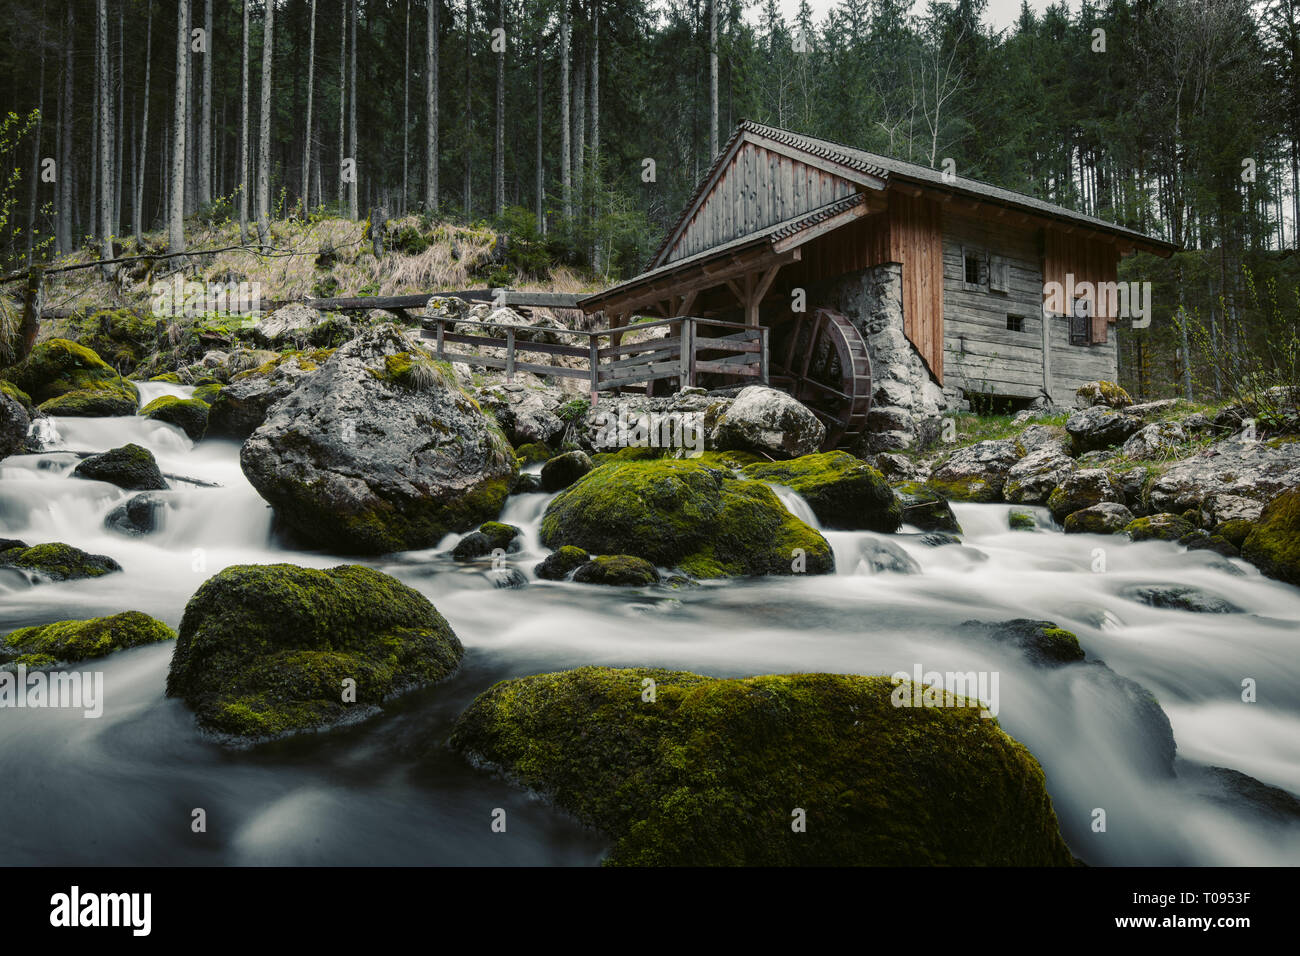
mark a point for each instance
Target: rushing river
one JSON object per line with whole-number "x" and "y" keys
{"x": 122, "y": 788}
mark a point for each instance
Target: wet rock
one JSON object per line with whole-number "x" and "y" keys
{"x": 1032, "y": 479}
{"x": 138, "y": 515}
{"x": 1021, "y": 521}
{"x": 491, "y": 536}
{"x": 525, "y": 483}
{"x": 1240, "y": 791}
{"x": 380, "y": 451}
{"x": 687, "y": 514}
{"x": 1273, "y": 545}
{"x": 1201, "y": 541}
{"x": 617, "y": 569}
{"x": 843, "y": 491}
{"x": 1154, "y": 440}
{"x": 508, "y": 578}
{"x": 1178, "y": 597}
{"x": 71, "y": 641}
{"x": 14, "y": 423}
{"x": 729, "y": 751}
{"x": 1083, "y": 489}
{"x": 563, "y": 470}
{"x": 1100, "y": 427}
{"x": 977, "y": 472}
{"x": 190, "y": 415}
{"x": 1106, "y": 518}
{"x": 59, "y": 562}
{"x": 263, "y": 650}
{"x": 528, "y": 414}
{"x": 242, "y": 406}
{"x": 767, "y": 422}
{"x": 1042, "y": 641}
{"x": 131, "y": 467}
{"x": 937, "y": 539}
{"x": 560, "y": 564}
{"x": 924, "y": 508}
{"x": 1161, "y": 527}
{"x": 881, "y": 556}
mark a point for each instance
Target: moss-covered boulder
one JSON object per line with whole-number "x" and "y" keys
{"x": 925, "y": 508}
{"x": 1102, "y": 393}
{"x": 491, "y": 536}
{"x": 619, "y": 569}
{"x": 207, "y": 394}
{"x": 1042, "y": 641}
{"x": 1083, "y": 489}
{"x": 1273, "y": 545}
{"x": 72, "y": 641}
{"x": 1234, "y": 530}
{"x": 188, "y": 414}
{"x": 268, "y": 650}
{"x": 812, "y": 769}
{"x": 58, "y": 561}
{"x": 563, "y": 470}
{"x": 843, "y": 491}
{"x": 65, "y": 378}
{"x": 976, "y": 472}
{"x": 123, "y": 337}
{"x": 681, "y": 513}
{"x": 131, "y": 467}
{"x": 1021, "y": 521}
{"x": 1105, "y": 518}
{"x": 533, "y": 453}
{"x": 1178, "y": 597}
{"x": 561, "y": 563}
{"x": 1161, "y": 527}
{"x": 379, "y": 451}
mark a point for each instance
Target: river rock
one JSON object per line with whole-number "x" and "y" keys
{"x": 58, "y": 562}
{"x": 288, "y": 325}
{"x": 527, "y": 413}
{"x": 925, "y": 508}
{"x": 14, "y": 423}
{"x": 1100, "y": 427}
{"x": 1101, "y": 393}
{"x": 188, "y": 414}
{"x": 66, "y": 378}
{"x": 561, "y": 563}
{"x": 976, "y": 472}
{"x": 1178, "y": 597}
{"x": 688, "y": 780}
{"x": 843, "y": 491}
{"x": 380, "y": 451}
{"x": 617, "y": 569}
{"x": 1160, "y": 527}
{"x": 1154, "y": 440}
{"x": 1042, "y": 641}
{"x": 69, "y": 641}
{"x": 138, "y": 515}
{"x": 1219, "y": 507}
{"x": 563, "y": 470}
{"x": 768, "y": 422}
{"x": 1259, "y": 470}
{"x": 1274, "y": 544}
{"x": 687, "y": 514}
{"x": 241, "y": 407}
{"x": 131, "y": 467}
{"x": 264, "y": 650}
{"x": 1032, "y": 479}
{"x": 881, "y": 556}
{"x": 1083, "y": 489}
{"x": 1109, "y": 517}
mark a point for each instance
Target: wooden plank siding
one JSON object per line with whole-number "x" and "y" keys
{"x": 916, "y": 242}
{"x": 1087, "y": 260}
{"x": 758, "y": 188}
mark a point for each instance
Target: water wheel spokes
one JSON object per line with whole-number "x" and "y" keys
{"x": 821, "y": 359}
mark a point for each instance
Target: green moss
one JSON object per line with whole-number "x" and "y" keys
{"x": 499, "y": 535}
{"x": 415, "y": 371}
{"x": 685, "y": 514}
{"x": 1235, "y": 530}
{"x": 188, "y": 414}
{"x": 1273, "y": 545}
{"x": 265, "y": 650}
{"x": 79, "y": 640}
{"x": 170, "y": 377}
{"x": 131, "y": 467}
{"x": 1021, "y": 521}
{"x": 533, "y": 453}
{"x": 18, "y": 395}
{"x": 61, "y": 562}
{"x": 628, "y": 454}
{"x": 1161, "y": 527}
{"x": 1091, "y": 520}
{"x": 966, "y": 488}
{"x": 617, "y": 569}
{"x": 710, "y": 771}
{"x": 207, "y": 394}
{"x": 560, "y": 564}
{"x": 58, "y": 368}
{"x": 843, "y": 491}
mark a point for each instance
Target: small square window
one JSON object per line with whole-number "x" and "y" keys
{"x": 972, "y": 270}
{"x": 1015, "y": 323}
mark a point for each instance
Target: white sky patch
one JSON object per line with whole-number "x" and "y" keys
{"x": 1001, "y": 13}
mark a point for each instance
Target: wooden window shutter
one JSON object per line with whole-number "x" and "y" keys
{"x": 999, "y": 274}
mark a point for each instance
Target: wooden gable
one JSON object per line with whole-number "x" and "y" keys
{"x": 755, "y": 185}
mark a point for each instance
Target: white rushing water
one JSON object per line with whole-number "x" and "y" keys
{"x": 121, "y": 789}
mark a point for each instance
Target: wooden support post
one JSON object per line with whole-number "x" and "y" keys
{"x": 510, "y": 354}
{"x": 688, "y": 352}
{"x": 762, "y": 356}
{"x": 441, "y": 327}
{"x": 595, "y": 370}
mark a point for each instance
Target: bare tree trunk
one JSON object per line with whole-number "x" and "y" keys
{"x": 541, "y": 181}
{"x": 469, "y": 122}
{"x": 92, "y": 210}
{"x": 191, "y": 122}
{"x": 138, "y": 215}
{"x": 243, "y": 136}
{"x": 566, "y": 143}
{"x": 264, "y": 130}
{"x": 580, "y": 128}
{"x": 118, "y": 129}
{"x": 499, "y": 139}
{"x": 713, "y": 79}
{"x": 63, "y": 224}
{"x": 353, "y": 209}
{"x": 307, "y": 128}
{"x": 35, "y": 173}
{"x": 406, "y": 107}
{"x": 205, "y": 123}
{"x": 176, "y": 210}
{"x": 431, "y": 107}
{"x": 343, "y": 98}
{"x": 105, "y": 157}
{"x": 594, "y": 152}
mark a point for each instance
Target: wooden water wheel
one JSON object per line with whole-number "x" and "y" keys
{"x": 821, "y": 359}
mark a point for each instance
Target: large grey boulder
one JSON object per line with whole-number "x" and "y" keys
{"x": 14, "y": 422}
{"x": 767, "y": 422}
{"x": 1100, "y": 427}
{"x": 1154, "y": 440}
{"x": 1249, "y": 469}
{"x": 1083, "y": 489}
{"x": 1033, "y": 478}
{"x": 288, "y": 325}
{"x": 526, "y": 412}
{"x": 380, "y": 451}
{"x": 243, "y": 404}
{"x": 976, "y": 472}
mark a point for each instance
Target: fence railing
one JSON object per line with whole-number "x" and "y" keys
{"x": 693, "y": 346}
